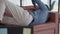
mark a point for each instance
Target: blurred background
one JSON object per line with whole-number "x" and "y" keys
{"x": 29, "y": 3}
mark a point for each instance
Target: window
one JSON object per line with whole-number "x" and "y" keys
{"x": 48, "y": 2}
{"x": 55, "y": 8}
{"x": 26, "y": 3}
{"x": 29, "y": 3}
{"x": 17, "y": 2}
{"x": 59, "y": 8}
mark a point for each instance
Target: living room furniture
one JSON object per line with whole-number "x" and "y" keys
{"x": 50, "y": 27}
{"x": 59, "y": 18}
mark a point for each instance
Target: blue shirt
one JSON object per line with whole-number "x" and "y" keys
{"x": 40, "y": 15}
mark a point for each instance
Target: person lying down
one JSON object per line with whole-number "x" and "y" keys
{"x": 23, "y": 17}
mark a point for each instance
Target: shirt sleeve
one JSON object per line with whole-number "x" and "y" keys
{"x": 2, "y": 9}
{"x": 21, "y": 16}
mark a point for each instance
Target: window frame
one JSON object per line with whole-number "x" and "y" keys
{"x": 48, "y": 1}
